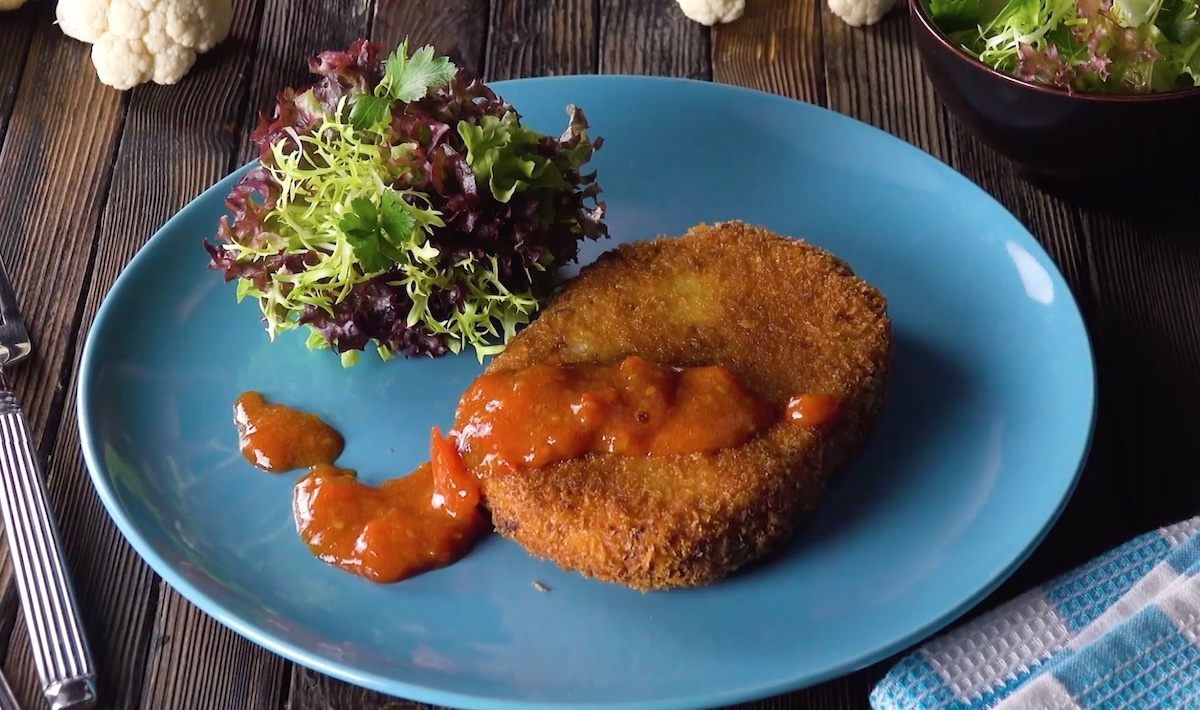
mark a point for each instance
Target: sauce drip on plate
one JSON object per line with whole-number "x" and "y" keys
{"x": 399, "y": 529}
{"x": 277, "y": 438}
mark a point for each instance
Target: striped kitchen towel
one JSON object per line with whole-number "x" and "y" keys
{"x": 1119, "y": 633}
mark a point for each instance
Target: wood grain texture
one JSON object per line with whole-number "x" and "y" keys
{"x": 542, "y": 38}
{"x": 292, "y": 31}
{"x": 313, "y": 691}
{"x": 1147, "y": 283}
{"x": 775, "y": 46}
{"x": 835, "y": 694}
{"x": 652, "y": 37}
{"x": 874, "y": 74}
{"x": 177, "y": 141}
{"x": 197, "y": 663}
{"x": 65, "y": 165}
{"x": 16, "y": 32}
{"x": 54, "y": 177}
{"x": 456, "y": 28}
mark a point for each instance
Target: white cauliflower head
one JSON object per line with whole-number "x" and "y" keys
{"x": 136, "y": 41}
{"x": 710, "y": 12}
{"x": 861, "y": 12}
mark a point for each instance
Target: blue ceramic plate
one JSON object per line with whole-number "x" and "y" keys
{"x": 979, "y": 445}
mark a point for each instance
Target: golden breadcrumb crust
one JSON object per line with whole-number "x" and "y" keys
{"x": 781, "y": 314}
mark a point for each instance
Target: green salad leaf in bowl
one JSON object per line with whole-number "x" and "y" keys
{"x": 399, "y": 204}
{"x": 1090, "y": 46}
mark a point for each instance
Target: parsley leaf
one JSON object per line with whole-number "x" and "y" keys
{"x": 379, "y": 235}
{"x": 362, "y": 232}
{"x": 410, "y": 78}
{"x": 394, "y": 219}
{"x": 405, "y": 79}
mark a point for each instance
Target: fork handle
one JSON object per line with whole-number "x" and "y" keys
{"x": 60, "y": 651}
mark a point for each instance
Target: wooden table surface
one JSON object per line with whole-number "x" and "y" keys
{"x": 87, "y": 174}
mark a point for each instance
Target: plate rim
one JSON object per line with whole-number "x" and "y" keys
{"x": 95, "y": 468}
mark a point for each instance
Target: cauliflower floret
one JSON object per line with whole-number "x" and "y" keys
{"x": 861, "y": 12}
{"x": 710, "y": 12}
{"x": 136, "y": 41}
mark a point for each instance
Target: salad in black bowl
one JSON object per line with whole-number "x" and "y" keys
{"x": 1096, "y": 46}
{"x": 1084, "y": 96}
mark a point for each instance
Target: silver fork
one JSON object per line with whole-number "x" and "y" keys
{"x": 60, "y": 650}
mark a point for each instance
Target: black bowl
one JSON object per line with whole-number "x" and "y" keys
{"x": 1067, "y": 140}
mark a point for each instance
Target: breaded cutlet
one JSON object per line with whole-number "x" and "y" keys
{"x": 784, "y": 316}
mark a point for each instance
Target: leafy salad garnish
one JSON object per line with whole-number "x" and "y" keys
{"x": 1095, "y": 46}
{"x": 398, "y": 203}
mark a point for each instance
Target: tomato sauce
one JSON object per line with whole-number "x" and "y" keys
{"x": 399, "y": 529}
{"x": 384, "y": 533}
{"x": 276, "y": 438}
{"x": 549, "y": 412}
{"x": 506, "y": 421}
{"x": 812, "y": 410}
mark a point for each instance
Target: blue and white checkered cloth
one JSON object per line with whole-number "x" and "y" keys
{"x": 1122, "y": 632}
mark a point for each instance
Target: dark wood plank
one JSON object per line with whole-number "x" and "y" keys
{"x": 16, "y": 32}
{"x": 293, "y": 31}
{"x": 49, "y": 162}
{"x": 1147, "y": 282}
{"x": 874, "y": 74}
{"x": 313, "y": 691}
{"x": 197, "y": 663}
{"x": 652, "y": 37}
{"x": 195, "y": 123}
{"x": 828, "y": 695}
{"x": 54, "y": 176}
{"x": 458, "y": 29}
{"x": 542, "y": 38}
{"x": 774, "y": 46}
